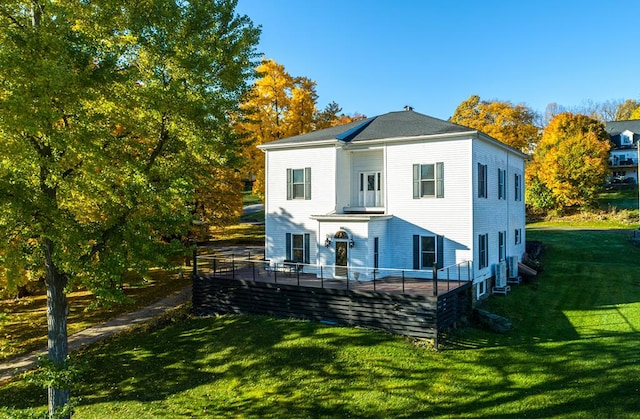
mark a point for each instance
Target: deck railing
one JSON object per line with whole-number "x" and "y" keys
{"x": 254, "y": 267}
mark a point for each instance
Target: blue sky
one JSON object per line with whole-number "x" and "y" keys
{"x": 376, "y": 56}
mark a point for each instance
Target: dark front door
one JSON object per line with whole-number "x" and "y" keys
{"x": 342, "y": 257}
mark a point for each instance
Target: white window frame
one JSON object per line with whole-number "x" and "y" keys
{"x": 502, "y": 184}
{"x": 305, "y": 194}
{"x": 482, "y": 181}
{"x": 483, "y": 251}
{"x": 518, "y": 187}
{"x": 295, "y": 248}
{"x": 518, "y": 236}
{"x": 424, "y": 252}
{"x": 502, "y": 246}
{"x": 481, "y": 288}
{"x": 437, "y": 180}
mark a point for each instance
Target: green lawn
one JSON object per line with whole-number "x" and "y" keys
{"x": 23, "y": 322}
{"x": 619, "y": 199}
{"x": 573, "y": 353}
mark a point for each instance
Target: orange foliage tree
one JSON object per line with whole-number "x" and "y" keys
{"x": 570, "y": 164}
{"x": 511, "y": 124}
{"x": 279, "y": 106}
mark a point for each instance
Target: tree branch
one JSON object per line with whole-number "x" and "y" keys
{"x": 12, "y": 19}
{"x": 162, "y": 141}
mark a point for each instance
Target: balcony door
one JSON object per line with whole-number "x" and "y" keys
{"x": 370, "y": 194}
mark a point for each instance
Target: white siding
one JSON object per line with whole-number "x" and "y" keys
{"x": 460, "y": 216}
{"x": 292, "y": 216}
{"x": 343, "y": 185}
{"x": 492, "y": 215}
{"x": 448, "y": 216}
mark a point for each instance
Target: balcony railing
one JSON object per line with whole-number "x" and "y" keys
{"x": 625, "y": 162}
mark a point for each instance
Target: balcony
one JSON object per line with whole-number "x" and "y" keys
{"x": 623, "y": 162}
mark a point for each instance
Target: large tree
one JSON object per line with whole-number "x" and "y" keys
{"x": 111, "y": 115}
{"x": 570, "y": 163}
{"x": 280, "y": 105}
{"x": 511, "y": 124}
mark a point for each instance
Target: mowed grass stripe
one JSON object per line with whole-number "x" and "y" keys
{"x": 573, "y": 353}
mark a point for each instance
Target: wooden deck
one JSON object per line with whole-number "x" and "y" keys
{"x": 409, "y": 306}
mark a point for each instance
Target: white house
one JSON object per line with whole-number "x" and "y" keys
{"x": 623, "y": 157}
{"x": 395, "y": 194}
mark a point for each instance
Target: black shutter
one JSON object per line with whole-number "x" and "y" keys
{"x": 440, "y": 252}
{"x": 289, "y": 184}
{"x": 288, "y": 246}
{"x": 416, "y": 251}
{"x": 307, "y": 240}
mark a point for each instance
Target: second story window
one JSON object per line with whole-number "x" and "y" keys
{"x": 428, "y": 180}
{"x": 518, "y": 187}
{"x": 299, "y": 183}
{"x": 482, "y": 181}
{"x": 502, "y": 184}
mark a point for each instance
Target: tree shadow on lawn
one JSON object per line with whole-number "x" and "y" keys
{"x": 261, "y": 367}
{"x": 588, "y": 378}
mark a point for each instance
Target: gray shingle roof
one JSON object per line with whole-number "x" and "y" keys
{"x": 389, "y": 125}
{"x": 615, "y": 128}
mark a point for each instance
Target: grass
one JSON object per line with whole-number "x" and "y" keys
{"x": 573, "y": 353}
{"x": 254, "y": 217}
{"x": 620, "y": 198}
{"x": 23, "y": 322}
{"x": 249, "y": 198}
{"x": 239, "y": 234}
{"x": 602, "y": 220}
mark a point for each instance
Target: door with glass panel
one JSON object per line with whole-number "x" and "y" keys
{"x": 370, "y": 189}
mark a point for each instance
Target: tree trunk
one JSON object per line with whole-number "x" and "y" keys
{"x": 57, "y": 311}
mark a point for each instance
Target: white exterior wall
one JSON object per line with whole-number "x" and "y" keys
{"x": 292, "y": 216}
{"x": 460, "y": 216}
{"x": 516, "y": 209}
{"x": 357, "y": 255}
{"x": 343, "y": 185}
{"x": 449, "y": 216}
{"x": 616, "y": 156}
{"x": 492, "y": 215}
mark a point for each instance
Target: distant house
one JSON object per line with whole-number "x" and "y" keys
{"x": 395, "y": 194}
{"x": 623, "y": 158}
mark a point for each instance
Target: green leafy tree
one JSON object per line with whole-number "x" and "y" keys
{"x": 570, "y": 163}
{"x": 110, "y": 115}
{"x": 511, "y": 124}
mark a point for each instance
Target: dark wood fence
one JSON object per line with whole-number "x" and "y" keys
{"x": 419, "y": 316}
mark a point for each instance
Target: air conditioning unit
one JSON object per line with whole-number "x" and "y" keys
{"x": 512, "y": 266}
{"x": 501, "y": 275}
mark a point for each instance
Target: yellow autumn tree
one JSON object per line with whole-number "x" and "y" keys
{"x": 571, "y": 161}
{"x": 301, "y": 114}
{"x": 277, "y": 106}
{"x": 511, "y": 124}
